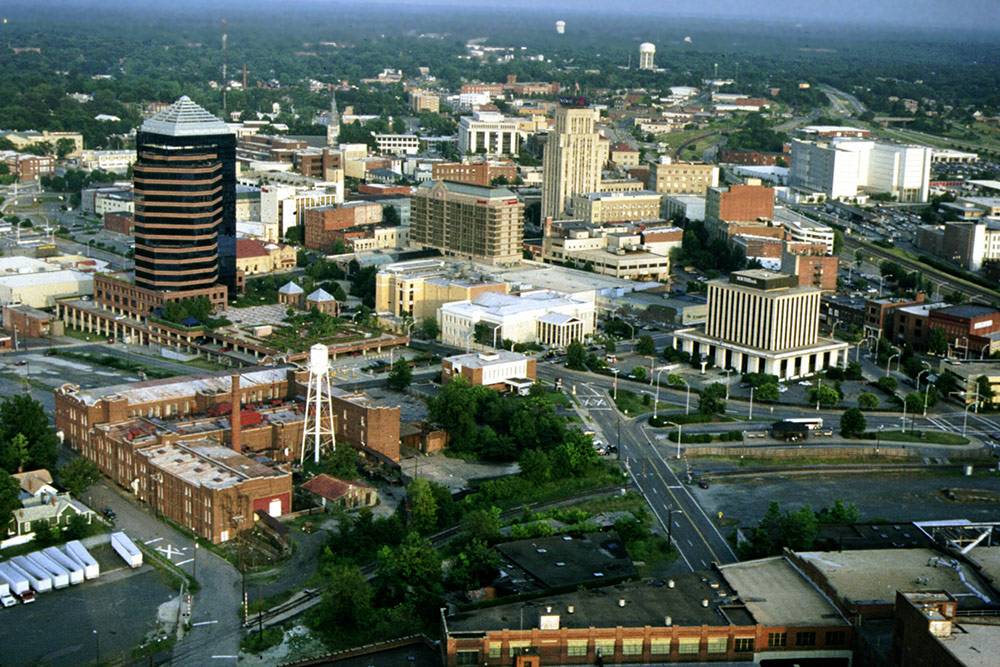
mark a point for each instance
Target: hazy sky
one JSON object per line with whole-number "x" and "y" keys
{"x": 980, "y": 14}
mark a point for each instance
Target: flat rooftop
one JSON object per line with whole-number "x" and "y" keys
{"x": 138, "y": 393}
{"x": 206, "y": 463}
{"x": 566, "y": 561}
{"x": 975, "y": 641}
{"x": 485, "y": 359}
{"x": 562, "y": 279}
{"x": 776, "y": 593}
{"x": 873, "y": 576}
{"x": 646, "y": 603}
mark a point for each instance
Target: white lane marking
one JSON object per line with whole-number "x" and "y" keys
{"x": 225, "y": 657}
{"x": 184, "y": 562}
{"x": 195, "y": 625}
{"x": 153, "y": 541}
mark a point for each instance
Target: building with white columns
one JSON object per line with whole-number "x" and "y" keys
{"x": 489, "y": 132}
{"x": 762, "y": 322}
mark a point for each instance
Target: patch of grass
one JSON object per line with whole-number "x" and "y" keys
{"x": 154, "y": 646}
{"x": 514, "y": 490}
{"x": 263, "y": 604}
{"x": 633, "y": 403}
{"x": 794, "y": 461}
{"x": 929, "y": 437}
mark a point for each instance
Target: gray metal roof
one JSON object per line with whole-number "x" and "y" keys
{"x": 184, "y": 118}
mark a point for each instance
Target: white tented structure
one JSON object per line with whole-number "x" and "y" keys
{"x": 319, "y": 404}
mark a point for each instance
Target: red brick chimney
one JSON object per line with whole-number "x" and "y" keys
{"x": 235, "y": 420}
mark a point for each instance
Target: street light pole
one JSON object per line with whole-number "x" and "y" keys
{"x": 728, "y": 371}
{"x": 927, "y": 392}
{"x": 97, "y": 643}
{"x": 687, "y": 400}
{"x": 750, "y": 414}
{"x": 614, "y": 390}
{"x": 888, "y": 364}
{"x": 656, "y": 395}
{"x": 678, "y": 437}
{"x": 926, "y": 370}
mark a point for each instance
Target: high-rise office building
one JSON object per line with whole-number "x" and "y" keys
{"x": 185, "y": 201}
{"x": 762, "y": 322}
{"x": 471, "y": 221}
{"x": 647, "y": 53}
{"x": 573, "y": 157}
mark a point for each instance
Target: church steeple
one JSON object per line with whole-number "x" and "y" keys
{"x": 333, "y": 127}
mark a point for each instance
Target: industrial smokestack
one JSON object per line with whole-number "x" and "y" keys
{"x": 235, "y": 420}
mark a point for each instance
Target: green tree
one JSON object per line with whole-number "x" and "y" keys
{"x": 645, "y": 346}
{"x": 476, "y": 565}
{"x": 347, "y": 604}
{"x": 429, "y": 328}
{"x": 853, "y": 423}
{"x": 45, "y": 532}
{"x": 887, "y": 383}
{"x": 610, "y": 346}
{"x": 64, "y": 147}
{"x": 423, "y": 506}
{"x": 536, "y": 466}
{"x": 713, "y": 399}
{"x": 341, "y": 463}
{"x": 639, "y": 373}
{"x": 19, "y": 451}
{"x": 575, "y": 454}
{"x": 767, "y": 392}
{"x": 410, "y": 573}
{"x": 390, "y": 216}
{"x": 10, "y": 498}
{"x": 840, "y": 513}
{"x": 853, "y": 371}
{"x": 799, "y": 529}
{"x": 482, "y": 524}
{"x": 867, "y": 401}
{"x": 79, "y": 475}
{"x": 985, "y": 390}
{"x": 937, "y": 342}
{"x": 826, "y": 395}
{"x": 576, "y": 356}
{"x": 400, "y": 376}
{"x": 21, "y": 414}
{"x": 78, "y": 527}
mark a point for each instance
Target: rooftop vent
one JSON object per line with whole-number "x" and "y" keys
{"x": 704, "y": 603}
{"x": 668, "y": 621}
{"x": 621, "y": 602}
{"x": 570, "y": 609}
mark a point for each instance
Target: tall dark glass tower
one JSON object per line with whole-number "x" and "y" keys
{"x": 185, "y": 201}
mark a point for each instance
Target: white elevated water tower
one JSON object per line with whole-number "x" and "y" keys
{"x": 647, "y": 53}
{"x": 319, "y": 405}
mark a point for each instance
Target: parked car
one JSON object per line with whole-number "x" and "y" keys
{"x": 703, "y": 483}
{"x": 109, "y": 514}
{"x": 7, "y": 600}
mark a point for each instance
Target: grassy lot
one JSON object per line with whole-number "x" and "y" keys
{"x": 929, "y": 437}
{"x": 633, "y": 403}
{"x": 112, "y": 361}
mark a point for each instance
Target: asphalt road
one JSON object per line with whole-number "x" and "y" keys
{"x": 216, "y": 630}
{"x": 693, "y": 533}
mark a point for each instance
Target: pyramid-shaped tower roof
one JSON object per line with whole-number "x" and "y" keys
{"x": 184, "y": 118}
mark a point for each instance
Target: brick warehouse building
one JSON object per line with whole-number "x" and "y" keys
{"x": 757, "y": 612}
{"x": 175, "y": 438}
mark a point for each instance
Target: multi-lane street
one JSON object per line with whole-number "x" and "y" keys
{"x": 659, "y": 469}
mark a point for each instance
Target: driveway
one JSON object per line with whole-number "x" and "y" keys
{"x": 216, "y": 631}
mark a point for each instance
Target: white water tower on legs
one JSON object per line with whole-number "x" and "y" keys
{"x": 318, "y": 425}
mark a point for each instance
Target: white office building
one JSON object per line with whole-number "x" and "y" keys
{"x": 489, "y": 132}
{"x": 541, "y": 316}
{"x": 760, "y": 321}
{"x": 846, "y": 168}
{"x": 801, "y": 228}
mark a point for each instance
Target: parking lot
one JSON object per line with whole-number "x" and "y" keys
{"x": 879, "y": 496}
{"x": 83, "y": 624}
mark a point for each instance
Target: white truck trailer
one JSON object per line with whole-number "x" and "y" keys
{"x": 59, "y": 558}
{"x": 60, "y": 577}
{"x": 126, "y": 548}
{"x": 39, "y": 579}
{"x": 17, "y": 582}
{"x": 75, "y": 550}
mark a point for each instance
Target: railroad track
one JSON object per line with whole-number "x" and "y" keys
{"x": 310, "y": 597}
